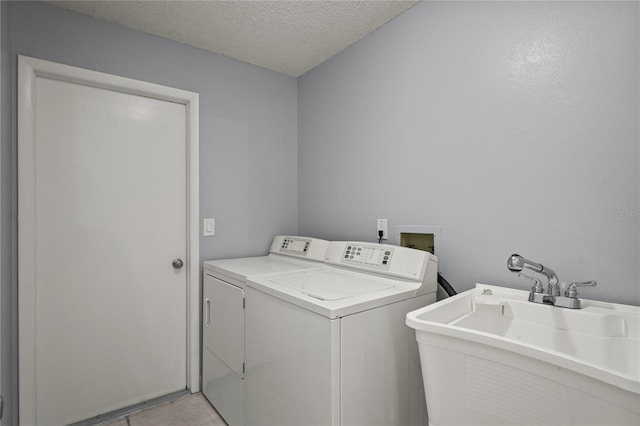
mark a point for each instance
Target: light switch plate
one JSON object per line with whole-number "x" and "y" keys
{"x": 209, "y": 227}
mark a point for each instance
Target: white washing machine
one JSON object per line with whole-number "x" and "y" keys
{"x": 223, "y": 310}
{"x": 329, "y": 346}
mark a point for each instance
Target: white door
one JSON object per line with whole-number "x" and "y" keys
{"x": 110, "y": 229}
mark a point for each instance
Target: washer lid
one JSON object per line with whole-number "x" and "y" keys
{"x": 331, "y": 285}
{"x": 334, "y": 292}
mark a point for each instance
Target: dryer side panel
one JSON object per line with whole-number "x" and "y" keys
{"x": 224, "y": 322}
{"x": 223, "y": 348}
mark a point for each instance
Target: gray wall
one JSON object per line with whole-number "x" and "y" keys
{"x": 248, "y": 131}
{"x": 512, "y": 125}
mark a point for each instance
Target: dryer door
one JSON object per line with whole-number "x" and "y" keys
{"x": 223, "y": 323}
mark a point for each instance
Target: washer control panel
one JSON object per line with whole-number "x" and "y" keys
{"x": 384, "y": 259}
{"x": 368, "y": 255}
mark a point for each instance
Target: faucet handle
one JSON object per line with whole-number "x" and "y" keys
{"x": 537, "y": 285}
{"x": 572, "y": 290}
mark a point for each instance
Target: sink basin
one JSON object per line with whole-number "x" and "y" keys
{"x": 489, "y": 356}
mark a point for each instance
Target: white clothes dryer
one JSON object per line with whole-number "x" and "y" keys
{"x": 329, "y": 346}
{"x": 223, "y": 310}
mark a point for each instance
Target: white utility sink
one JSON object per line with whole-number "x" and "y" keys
{"x": 489, "y": 356}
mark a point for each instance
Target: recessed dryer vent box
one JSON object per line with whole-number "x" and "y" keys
{"x": 426, "y": 238}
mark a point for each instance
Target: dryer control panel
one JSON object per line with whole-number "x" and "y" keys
{"x": 304, "y": 247}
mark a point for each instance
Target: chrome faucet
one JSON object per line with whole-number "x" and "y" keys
{"x": 517, "y": 263}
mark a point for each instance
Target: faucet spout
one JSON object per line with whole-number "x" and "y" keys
{"x": 516, "y": 263}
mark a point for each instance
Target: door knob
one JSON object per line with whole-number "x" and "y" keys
{"x": 177, "y": 263}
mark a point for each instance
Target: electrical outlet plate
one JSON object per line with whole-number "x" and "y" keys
{"x": 382, "y": 226}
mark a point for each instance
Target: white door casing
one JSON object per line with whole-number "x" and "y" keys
{"x": 39, "y": 304}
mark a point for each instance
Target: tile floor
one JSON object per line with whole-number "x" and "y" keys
{"x": 191, "y": 410}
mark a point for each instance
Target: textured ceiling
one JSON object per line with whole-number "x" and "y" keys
{"x": 290, "y": 37}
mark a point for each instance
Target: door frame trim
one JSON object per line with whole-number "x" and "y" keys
{"x": 28, "y": 70}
